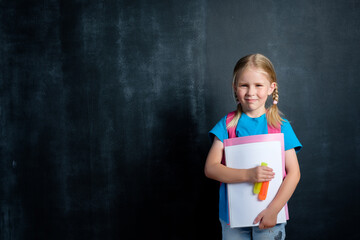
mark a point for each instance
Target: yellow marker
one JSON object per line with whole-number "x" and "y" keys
{"x": 257, "y": 186}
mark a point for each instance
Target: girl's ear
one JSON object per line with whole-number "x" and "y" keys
{"x": 273, "y": 85}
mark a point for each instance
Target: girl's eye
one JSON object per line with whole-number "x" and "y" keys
{"x": 259, "y": 85}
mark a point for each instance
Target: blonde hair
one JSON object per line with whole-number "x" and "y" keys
{"x": 263, "y": 65}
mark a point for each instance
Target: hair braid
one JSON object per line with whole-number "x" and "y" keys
{"x": 275, "y": 96}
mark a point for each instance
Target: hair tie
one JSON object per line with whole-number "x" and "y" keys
{"x": 275, "y": 102}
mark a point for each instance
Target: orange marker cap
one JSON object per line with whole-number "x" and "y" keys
{"x": 263, "y": 191}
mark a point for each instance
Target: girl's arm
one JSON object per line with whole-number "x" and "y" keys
{"x": 217, "y": 171}
{"x": 268, "y": 216}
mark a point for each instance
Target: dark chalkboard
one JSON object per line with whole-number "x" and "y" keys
{"x": 105, "y": 108}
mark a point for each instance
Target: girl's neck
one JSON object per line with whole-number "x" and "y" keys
{"x": 256, "y": 114}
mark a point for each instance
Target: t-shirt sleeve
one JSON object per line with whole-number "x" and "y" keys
{"x": 291, "y": 141}
{"x": 219, "y": 130}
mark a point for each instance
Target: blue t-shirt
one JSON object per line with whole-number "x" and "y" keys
{"x": 248, "y": 126}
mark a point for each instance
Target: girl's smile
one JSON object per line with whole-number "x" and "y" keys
{"x": 250, "y": 100}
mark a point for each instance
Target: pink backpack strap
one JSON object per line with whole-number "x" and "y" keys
{"x": 272, "y": 129}
{"x": 231, "y": 131}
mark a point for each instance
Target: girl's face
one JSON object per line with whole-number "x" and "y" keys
{"x": 252, "y": 91}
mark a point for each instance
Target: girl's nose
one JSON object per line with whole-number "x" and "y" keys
{"x": 251, "y": 91}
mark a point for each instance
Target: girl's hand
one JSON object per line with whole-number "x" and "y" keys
{"x": 260, "y": 174}
{"x": 267, "y": 218}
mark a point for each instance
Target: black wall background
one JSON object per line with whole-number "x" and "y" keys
{"x": 105, "y": 108}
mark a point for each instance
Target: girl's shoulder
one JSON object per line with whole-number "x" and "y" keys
{"x": 285, "y": 124}
{"x": 291, "y": 140}
{"x": 219, "y": 130}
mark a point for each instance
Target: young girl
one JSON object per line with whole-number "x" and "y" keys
{"x": 254, "y": 79}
